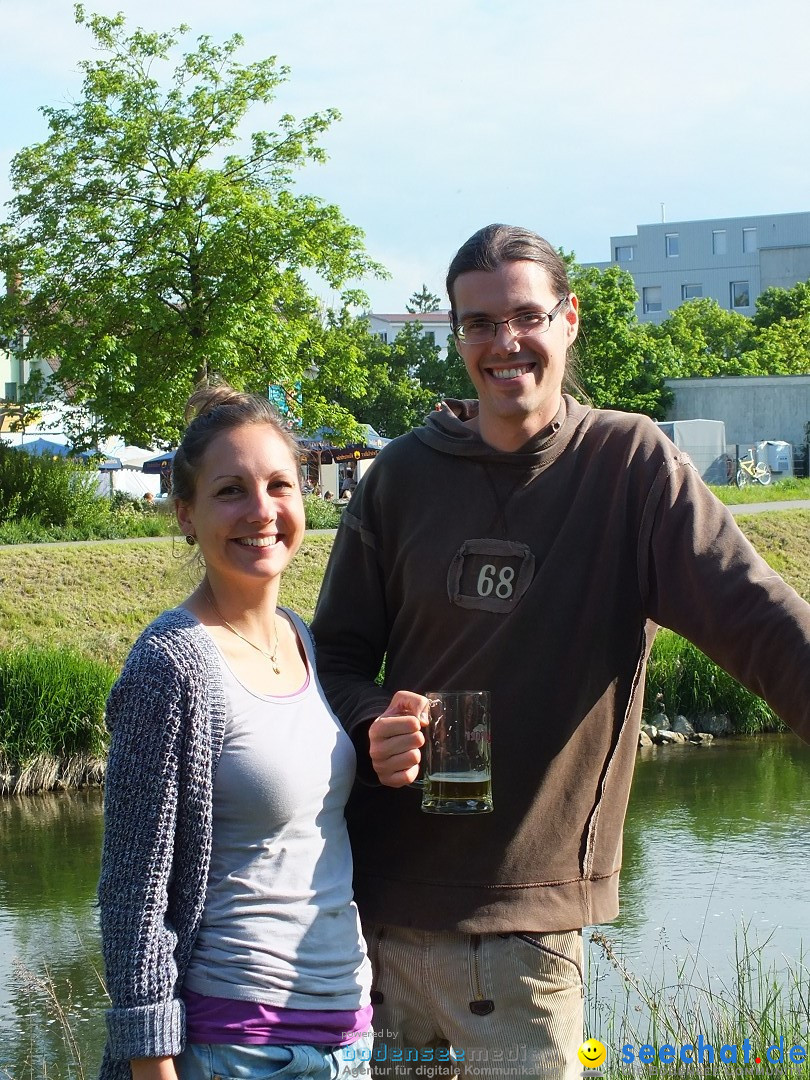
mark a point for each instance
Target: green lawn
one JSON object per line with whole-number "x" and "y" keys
{"x": 754, "y": 493}
{"x": 97, "y": 597}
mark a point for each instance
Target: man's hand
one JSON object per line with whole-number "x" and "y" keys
{"x": 396, "y": 739}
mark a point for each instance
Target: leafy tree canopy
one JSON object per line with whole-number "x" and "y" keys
{"x": 615, "y": 367}
{"x": 783, "y": 348}
{"x": 775, "y": 304}
{"x": 395, "y": 384}
{"x": 389, "y": 395}
{"x": 702, "y": 339}
{"x": 447, "y": 376}
{"x": 149, "y": 253}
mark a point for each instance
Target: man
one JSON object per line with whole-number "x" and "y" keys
{"x": 521, "y": 544}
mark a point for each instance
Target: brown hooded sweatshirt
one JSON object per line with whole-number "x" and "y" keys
{"x": 540, "y": 576}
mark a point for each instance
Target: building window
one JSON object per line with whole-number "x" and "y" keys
{"x": 625, "y": 252}
{"x": 383, "y": 336}
{"x": 430, "y": 335}
{"x": 651, "y": 298}
{"x": 11, "y": 391}
{"x": 672, "y": 245}
{"x": 749, "y": 240}
{"x": 740, "y": 294}
{"x": 691, "y": 292}
{"x": 719, "y": 242}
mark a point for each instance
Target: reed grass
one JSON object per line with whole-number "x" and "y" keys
{"x": 680, "y": 1004}
{"x": 94, "y": 599}
{"x": 683, "y": 680}
{"x": 51, "y": 999}
{"x": 51, "y": 718}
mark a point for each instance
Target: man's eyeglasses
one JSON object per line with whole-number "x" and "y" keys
{"x": 476, "y": 331}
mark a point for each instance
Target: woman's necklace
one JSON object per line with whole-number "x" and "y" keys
{"x": 271, "y": 656}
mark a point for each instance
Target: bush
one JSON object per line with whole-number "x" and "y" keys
{"x": 321, "y": 514}
{"x": 52, "y": 704}
{"x": 53, "y": 491}
{"x": 683, "y": 680}
{"x": 115, "y": 525}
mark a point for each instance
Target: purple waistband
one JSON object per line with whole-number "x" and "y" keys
{"x": 247, "y": 1023}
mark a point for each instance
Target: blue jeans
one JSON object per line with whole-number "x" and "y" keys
{"x": 227, "y": 1062}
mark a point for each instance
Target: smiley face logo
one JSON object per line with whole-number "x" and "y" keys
{"x": 592, "y": 1053}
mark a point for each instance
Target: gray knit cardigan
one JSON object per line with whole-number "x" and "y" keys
{"x": 166, "y": 715}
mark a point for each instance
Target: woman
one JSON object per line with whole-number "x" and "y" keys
{"x": 231, "y": 942}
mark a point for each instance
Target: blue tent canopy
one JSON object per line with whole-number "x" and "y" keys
{"x": 161, "y": 463}
{"x": 102, "y": 462}
{"x": 46, "y": 447}
{"x": 49, "y": 448}
{"x": 329, "y": 450}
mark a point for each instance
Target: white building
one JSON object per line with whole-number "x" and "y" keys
{"x": 14, "y": 371}
{"x": 435, "y": 325}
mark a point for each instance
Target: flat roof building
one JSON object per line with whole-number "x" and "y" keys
{"x": 730, "y": 260}
{"x": 435, "y": 326}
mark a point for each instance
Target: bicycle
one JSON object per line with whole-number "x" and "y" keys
{"x": 749, "y": 471}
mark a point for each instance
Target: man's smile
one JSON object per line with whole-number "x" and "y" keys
{"x": 511, "y": 372}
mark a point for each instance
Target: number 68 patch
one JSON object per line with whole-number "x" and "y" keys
{"x": 491, "y": 575}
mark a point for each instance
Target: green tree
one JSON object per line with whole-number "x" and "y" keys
{"x": 423, "y": 301}
{"x": 150, "y": 254}
{"x": 373, "y": 381}
{"x": 775, "y": 304}
{"x": 700, "y": 338}
{"x": 616, "y": 366}
{"x": 446, "y": 377}
{"x": 394, "y": 399}
{"x": 783, "y": 347}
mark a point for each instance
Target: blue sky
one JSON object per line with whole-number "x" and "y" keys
{"x": 578, "y": 120}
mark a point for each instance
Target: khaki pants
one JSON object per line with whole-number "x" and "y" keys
{"x": 489, "y": 1006}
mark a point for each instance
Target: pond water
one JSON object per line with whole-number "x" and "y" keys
{"x": 716, "y": 840}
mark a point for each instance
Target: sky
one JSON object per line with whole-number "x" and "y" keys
{"x": 579, "y": 120}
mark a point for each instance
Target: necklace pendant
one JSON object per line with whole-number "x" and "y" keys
{"x": 276, "y": 668}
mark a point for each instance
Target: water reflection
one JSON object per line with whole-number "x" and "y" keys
{"x": 49, "y": 852}
{"x": 717, "y": 832}
{"x": 714, "y": 862}
{"x": 715, "y": 836}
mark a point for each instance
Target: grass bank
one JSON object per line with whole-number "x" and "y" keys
{"x": 92, "y": 601}
{"x": 51, "y": 719}
{"x": 96, "y": 598}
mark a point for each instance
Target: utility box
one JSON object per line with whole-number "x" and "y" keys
{"x": 705, "y": 443}
{"x": 777, "y": 455}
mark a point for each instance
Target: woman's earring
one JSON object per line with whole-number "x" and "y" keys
{"x": 190, "y": 540}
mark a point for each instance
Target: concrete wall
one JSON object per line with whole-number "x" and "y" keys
{"x": 783, "y": 267}
{"x": 753, "y": 408}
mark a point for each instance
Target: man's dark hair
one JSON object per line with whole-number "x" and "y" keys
{"x": 494, "y": 245}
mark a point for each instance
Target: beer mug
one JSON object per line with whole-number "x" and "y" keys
{"x": 457, "y": 775}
